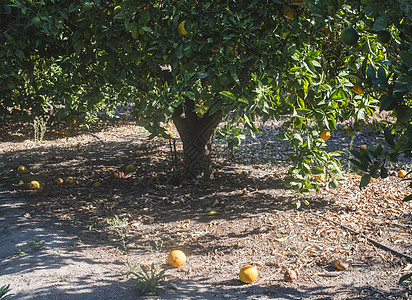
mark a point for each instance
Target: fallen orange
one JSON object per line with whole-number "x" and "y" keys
{"x": 70, "y": 180}
{"x": 130, "y": 168}
{"x": 34, "y": 185}
{"x": 341, "y": 265}
{"x": 290, "y": 275}
{"x": 22, "y": 170}
{"x": 176, "y": 258}
{"x": 402, "y": 173}
{"x": 248, "y": 274}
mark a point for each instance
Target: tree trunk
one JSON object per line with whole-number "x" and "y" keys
{"x": 197, "y": 137}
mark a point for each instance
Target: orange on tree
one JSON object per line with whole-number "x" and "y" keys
{"x": 288, "y": 12}
{"x": 181, "y": 30}
{"x": 349, "y": 36}
{"x": 364, "y": 147}
{"x": 248, "y": 274}
{"x": 383, "y": 37}
{"x": 325, "y": 135}
{"x": 176, "y": 258}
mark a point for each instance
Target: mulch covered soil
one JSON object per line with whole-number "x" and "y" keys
{"x": 244, "y": 215}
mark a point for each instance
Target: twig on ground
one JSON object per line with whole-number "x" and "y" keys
{"x": 382, "y": 246}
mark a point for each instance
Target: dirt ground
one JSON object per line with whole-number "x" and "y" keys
{"x": 73, "y": 241}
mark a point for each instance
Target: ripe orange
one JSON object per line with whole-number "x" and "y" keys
{"x": 59, "y": 181}
{"x": 34, "y": 185}
{"x": 176, "y": 258}
{"x": 169, "y": 124}
{"x": 22, "y": 170}
{"x": 248, "y": 274}
{"x": 130, "y": 168}
{"x": 70, "y": 180}
{"x": 364, "y": 147}
{"x": 346, "y": 128}
{"x": 341, "y": 265}
{"x": 172, "y": 136}
{"x": 290, "y": 275}
{"x": 402, "y": 173}
{"x": 372, "y": 179}
{"x": 325, "y": 135}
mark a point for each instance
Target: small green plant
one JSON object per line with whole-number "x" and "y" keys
{"x": 149, "y": 281}
{"x": 120, "y": 226}
{"x": 36, "y": 245}
{"x": 3, "y": 292}
{"x": 39, "y": 126}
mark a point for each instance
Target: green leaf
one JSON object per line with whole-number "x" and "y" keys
{"x": 365, "y": 180}
{"x": 407, "y": 198}
{"x": 228, "y": 95}
{"x": 405, "y": 277}
{"x": 179, "y": 51}
{"x": 120, "y": 17}
{"x": 381, "y": 22}
{"x": 20, "y": 54}
{"x": 387, "y": 102}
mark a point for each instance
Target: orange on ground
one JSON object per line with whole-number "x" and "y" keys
{"x": 130, "y": 168}
{"x": 320, "y": 177}
{"x": 96, "y": 184}
{"x": 290, "y": 275}
{"x": 176, "y": 258}
{"x": 70, "y": 180}
{"x": 34, "y": 185}
{"x": 138, "y": 152}
{"x": 402, "y": 173}
{"x": 325, "y": 135}
{"x": 248, "y": 274}
{"x": 22, "y": 170}
{"x": 59, "y": 181}
{"x": 341, "y": 265}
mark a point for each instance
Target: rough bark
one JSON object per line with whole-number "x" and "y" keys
{"x": 197, "y": 136}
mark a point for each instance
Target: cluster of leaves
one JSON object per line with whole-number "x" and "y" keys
{"x": 149, "y": 281}
{"x": 383, "y": 69}
{"x": 4, "y": 292}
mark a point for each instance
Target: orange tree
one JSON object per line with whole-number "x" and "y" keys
{"x": 204, "y": 63}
